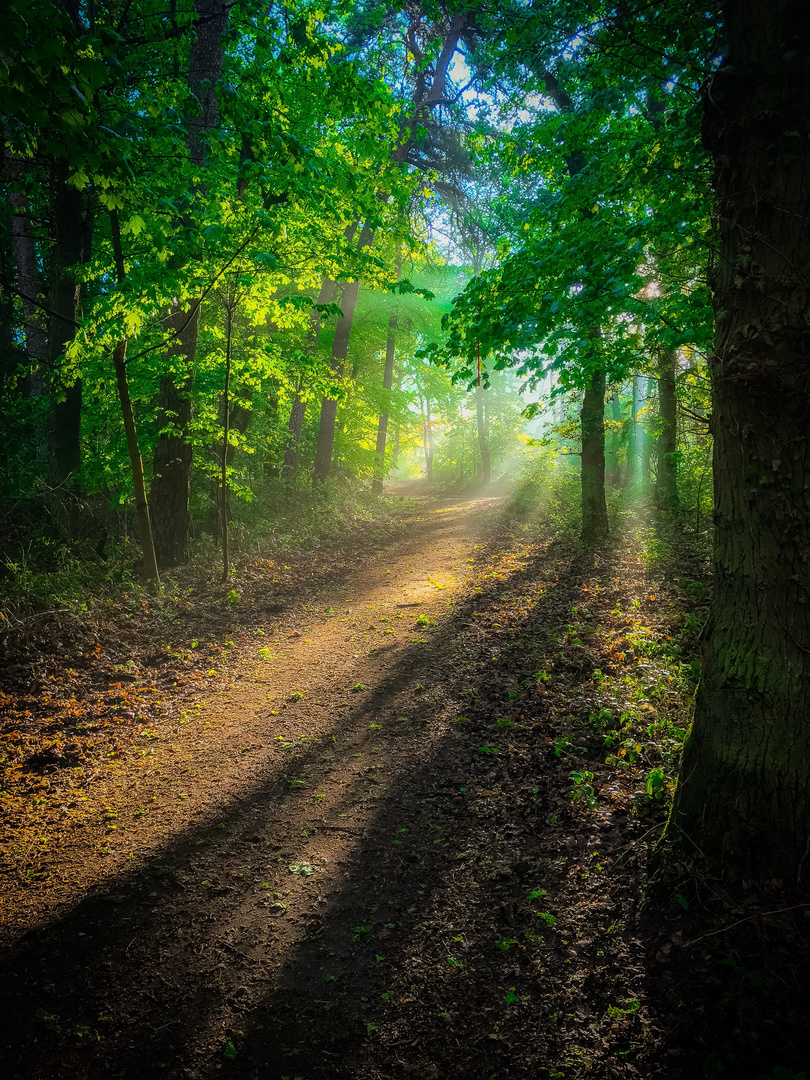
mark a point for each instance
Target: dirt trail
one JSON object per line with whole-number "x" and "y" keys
{"x": 390, "y": 832}
{"x": 237, "y": 858}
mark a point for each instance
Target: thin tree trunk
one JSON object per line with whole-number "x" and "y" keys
{"x": 743, "y": 799}
{"x": 667, "y": 465}
{"x": 632, "y": 437}
{"x": 226, "y": 427}
{"x": 382, "y": 425}
{"x": 63, "y": 301}
{"x": 428, "y": 440}
{"x": 135, "y": 460}
{"x": 397, "y": 425}
{"x": 173, "y": 451}
{"x": 340, "y": 349}
{"x": 483, "y": 435}
{"x": 289, "y": 467}
{"x": 592, "y": 418}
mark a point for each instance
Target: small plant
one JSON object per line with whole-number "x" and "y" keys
{"x": 296, "y": 695}
{"x": 548, "y": 919}
{"x": 488, "y": 750}
{"x": 302, "y": 869}
{"x": 505, "y": 943}
{"x": 504, "y": 722}
{"x": 296, "y": 785}
{"x": 425, "y": 620}
{"x": 375, "y": 727}
{"x": 616, "y": 1012}
{"x": 454, "y": 962}
{"x": 264, "y": 654}
{"x": 359, "y": 932}
{"x": 233, "y": 597}
{"x": 358, "y": 686}
{"x": 583, "y": 788}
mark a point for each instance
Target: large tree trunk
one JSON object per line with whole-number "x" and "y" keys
{"x": 666, "y": 487}
{"x": 592, "y": 419}
{"x": 173, "y": 450}
{"x": 63, "y": 301}
{"x": 743, "y": 800}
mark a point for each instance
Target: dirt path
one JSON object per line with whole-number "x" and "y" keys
{"x": 258, "y": 849}
{"x": 394, "y": 827}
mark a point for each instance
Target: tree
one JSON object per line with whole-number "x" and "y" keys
{"x": 743, "y": 800}
{"x": 173, "y": 449}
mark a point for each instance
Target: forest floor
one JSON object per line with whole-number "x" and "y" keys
{"x": 378, "y": 811}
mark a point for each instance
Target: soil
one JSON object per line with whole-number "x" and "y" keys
{"x": 350, "y": 815}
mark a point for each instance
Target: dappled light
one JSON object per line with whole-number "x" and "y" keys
{"x": 403, "y": 541}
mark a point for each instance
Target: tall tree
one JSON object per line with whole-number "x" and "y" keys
{"x": 743, "y": 799}
{"x": 173, "y": 450}
{"x": 431, "y": 49}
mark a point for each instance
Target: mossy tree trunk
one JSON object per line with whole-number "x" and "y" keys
{"x": 743, "y": 801}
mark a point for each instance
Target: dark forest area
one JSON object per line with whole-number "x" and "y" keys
{"x": 405, "y": 539}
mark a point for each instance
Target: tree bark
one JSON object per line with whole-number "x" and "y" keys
{"x": 743, "y": 800}
{"x": 666, "y": 486}
{"x": 592, "y": 419}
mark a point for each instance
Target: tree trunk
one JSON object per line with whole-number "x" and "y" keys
{"x": 382, "y": 426}
{"x": 289, "y": 466}
{"x": 173, "y": 453}
{"x": 397, "y": 425}
{"x": 743, "y": 800}
{"x": 171, "y": 481}
{"x": 340, "y": 350}
{"x": 666, "y": 487}
{"x": 135, "y": 461}
{"x": 63, "y": 301}
{"x": 632, "y": 438}
{"x": 428, "y": 440}
{"x": 613, "y": 468}
{"x": 592, "y": 418}
{"x": 483, "y": 435}
{"x": 226, "y": 429}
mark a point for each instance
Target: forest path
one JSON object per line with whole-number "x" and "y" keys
{"x": 233, "y": 858}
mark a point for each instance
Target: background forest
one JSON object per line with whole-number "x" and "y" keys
{"x": 231, "y": 243}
